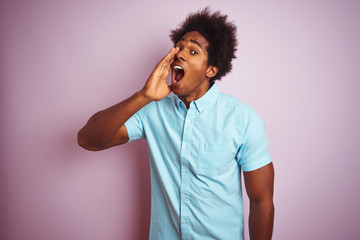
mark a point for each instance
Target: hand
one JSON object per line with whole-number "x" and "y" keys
{"x": 156, "y": 87}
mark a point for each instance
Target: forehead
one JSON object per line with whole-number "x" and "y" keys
{"x": 195, "y": 36}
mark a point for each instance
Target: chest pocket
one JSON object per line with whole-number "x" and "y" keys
{"x": 214, "y": 158}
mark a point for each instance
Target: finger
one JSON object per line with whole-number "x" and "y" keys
{"x": 171, "y": 55}
{"x": 165, "y": 63}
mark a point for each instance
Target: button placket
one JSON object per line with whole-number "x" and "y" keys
{"x": 186, "y": 174}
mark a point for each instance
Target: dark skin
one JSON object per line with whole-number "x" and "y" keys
{"x": 106, "y": 128}
{"x": 259, "y": 186}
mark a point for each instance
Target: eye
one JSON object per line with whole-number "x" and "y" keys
{"x": 194, "y": 52}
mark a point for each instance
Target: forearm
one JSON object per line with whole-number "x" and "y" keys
{"x": 106, "y": 128}
{"x": 103, "y": 126}
{"x": 261, "y": 220}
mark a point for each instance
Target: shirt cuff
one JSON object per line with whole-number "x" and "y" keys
{"x": 262, "y": 161}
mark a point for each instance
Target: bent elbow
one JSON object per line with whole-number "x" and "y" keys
{"x": 82, "y": 142}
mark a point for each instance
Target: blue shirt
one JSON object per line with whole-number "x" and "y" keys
{"x": 196, "y": 155}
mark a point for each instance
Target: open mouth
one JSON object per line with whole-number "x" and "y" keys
{"x": 178, "y": 73}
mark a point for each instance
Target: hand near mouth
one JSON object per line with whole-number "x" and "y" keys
{"x": 156, "y": 87}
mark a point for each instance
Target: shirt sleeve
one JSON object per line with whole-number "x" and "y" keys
{"x": 253, "y": 152}
{"x": 135, "y": 126}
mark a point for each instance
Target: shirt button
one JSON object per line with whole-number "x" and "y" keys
{"x": 189, "y": 121}
{"x": 185, "y": 147}
{"x": 184, "y": 171}
{"x": 184, "y": 221}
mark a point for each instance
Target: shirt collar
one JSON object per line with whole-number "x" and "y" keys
{"x": 206, "y": 101}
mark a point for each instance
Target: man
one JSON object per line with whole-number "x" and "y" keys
{"x": 199, "y": 139}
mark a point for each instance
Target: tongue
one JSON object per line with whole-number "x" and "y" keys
{"x": 179, "y": 75}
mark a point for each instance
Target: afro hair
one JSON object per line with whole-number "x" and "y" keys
{"x": 220, "y": 33}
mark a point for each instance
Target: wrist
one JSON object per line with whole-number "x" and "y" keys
{"x": 143, "y": 97}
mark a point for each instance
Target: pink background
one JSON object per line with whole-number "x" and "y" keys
{"x": 298, "y": 65}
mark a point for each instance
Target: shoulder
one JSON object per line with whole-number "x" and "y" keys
{"x": 156, "y": 106}
{"x": 233, "y": 104}
{"x": 237, "y": 108}
{"x": 165, "y": 101}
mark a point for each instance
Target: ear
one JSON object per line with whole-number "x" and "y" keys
{"x": 211, "y": 71}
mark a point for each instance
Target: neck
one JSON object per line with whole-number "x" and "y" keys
{"x": 188, "y": 99}
{"x": 186, "y": 102}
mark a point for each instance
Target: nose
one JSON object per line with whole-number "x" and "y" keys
{"x": 181, "y": 55}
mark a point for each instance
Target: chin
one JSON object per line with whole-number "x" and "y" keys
{"x": 176, "y": 91}
{"x": 179, "y": 91}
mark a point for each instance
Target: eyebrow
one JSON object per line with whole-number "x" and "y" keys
{"x": 193, "y": 41}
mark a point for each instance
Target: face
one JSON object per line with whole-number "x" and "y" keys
{"x": 190, "y": 70}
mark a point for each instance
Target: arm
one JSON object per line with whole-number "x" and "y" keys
{"x": 106, "y": 128}
{"x": 259, "y": 186}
